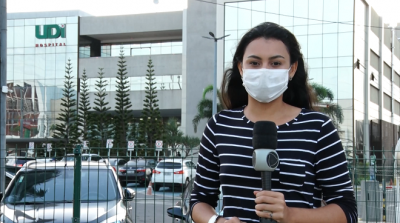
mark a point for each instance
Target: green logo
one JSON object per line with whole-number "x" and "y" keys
{"x": 50, "y": 31}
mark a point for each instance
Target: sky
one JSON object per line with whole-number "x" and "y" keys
{"x": 389, "y": 9}
{"x": 97, "y": 7}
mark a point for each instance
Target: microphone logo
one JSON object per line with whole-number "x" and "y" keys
{"x": 272, "y": 160}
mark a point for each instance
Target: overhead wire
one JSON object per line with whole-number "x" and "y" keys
{"x": 298, "y": 17}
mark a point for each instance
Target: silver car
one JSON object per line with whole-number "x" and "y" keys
{"x": 43, "y": 192}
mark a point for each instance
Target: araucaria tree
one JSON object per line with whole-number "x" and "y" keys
{"x": 150, "y": 126}
{"x": 84, "y": 107}
{"x": 66, "y": 130}
{"x": 124, "y": 115}
{"x": 102, "y": 123}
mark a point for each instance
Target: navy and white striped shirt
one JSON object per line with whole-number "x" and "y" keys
{"x": 312, "y": 165}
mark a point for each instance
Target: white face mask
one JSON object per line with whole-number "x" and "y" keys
{"x": 265, "y": 85}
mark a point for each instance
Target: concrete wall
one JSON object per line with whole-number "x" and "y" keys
{"x": 136, "y": 65}
{"x": 197, "y": 59}
{"x": 131, "y": 23}
{"x": 133, "y": 28}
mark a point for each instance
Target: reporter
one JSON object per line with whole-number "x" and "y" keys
{"x": 268, "y": 81}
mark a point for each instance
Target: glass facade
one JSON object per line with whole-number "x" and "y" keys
{"x": 165, "y": 82}
{"x": 137, "y": 49}
{"x": 324, "y": 29}
{"x": 37, "y": 52}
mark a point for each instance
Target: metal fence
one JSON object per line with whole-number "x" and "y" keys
{"x": 146, "y": 185}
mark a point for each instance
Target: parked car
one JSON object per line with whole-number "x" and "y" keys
{"x": 43, "y": 192}
{"x": 117, "y": 163}
{"x": 14, "y": 163}
{"x": 181, "y": 210}
{"x": 135, "y": 171}
{"x": 85, "y": 157}
{"x": 173, "y": 173}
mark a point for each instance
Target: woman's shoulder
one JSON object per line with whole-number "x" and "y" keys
{"x": 308, "y": 115}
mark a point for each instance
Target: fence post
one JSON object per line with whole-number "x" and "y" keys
{"x": 77, "y": 185}
{"x": 384, "y": 185}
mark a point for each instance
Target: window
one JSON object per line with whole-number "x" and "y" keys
{"x": 396, "y": 107}
{"x": 121, "y": 162}
{"x": 95, "y": 158}
{"x": 375, "y": 22}
{"x": 374, "y": 95}
{"x": 169, "y": 165}
{"x": 387, "y": 71}
{"x": 105, "y": 50}
{"x": 396, "y": 79}
{"x": 374, "y": 60}
{"x": 84, "y": 51}
{"x": 387, "y": 36}
{"x": 387, "y": 102}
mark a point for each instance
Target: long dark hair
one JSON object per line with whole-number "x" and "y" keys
{"x": 299, "y": 92}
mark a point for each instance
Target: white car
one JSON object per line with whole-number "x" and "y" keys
{"x": 173, "y": 173}
{"x": 85, "y": 157}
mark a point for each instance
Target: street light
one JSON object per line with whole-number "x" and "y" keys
{"x": 214, "y": 105}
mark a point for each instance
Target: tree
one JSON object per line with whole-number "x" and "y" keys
{"x": 101, "y": 128}
{"x": 123, "y": 104}
{"x": 150, "y": 126}
{"x": 173, "y": 137}
{"x": 190, "y": 142}
{"x": 325, "y": 104}
{"x": 67, "y": 128}
{"x": 204, "y": 107}
{"x": 84, "y": 107}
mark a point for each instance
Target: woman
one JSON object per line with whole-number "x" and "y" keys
{"x": 268, "y": 81}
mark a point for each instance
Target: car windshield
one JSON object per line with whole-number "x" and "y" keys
{"x": 56, "y": 185}
{"x": 169, "y": 165}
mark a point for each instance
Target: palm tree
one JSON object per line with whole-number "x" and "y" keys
{"x": 204, "y": 107}
{"x": 325, "y": 104}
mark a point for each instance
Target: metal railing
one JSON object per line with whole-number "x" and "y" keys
{"x": 376, "y": 184}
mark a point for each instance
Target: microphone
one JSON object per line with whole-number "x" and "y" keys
{"x": 265, "y": 157}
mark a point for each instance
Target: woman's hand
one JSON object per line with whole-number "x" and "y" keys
{"x": 231, "y": 220}
{"x": 272, "y": 204}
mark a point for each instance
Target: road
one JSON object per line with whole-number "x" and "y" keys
{"x": 153, "y": 208}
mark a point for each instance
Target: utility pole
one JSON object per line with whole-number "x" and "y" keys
{"x": 214, "y": 104}
{"x": 4, "y": 91}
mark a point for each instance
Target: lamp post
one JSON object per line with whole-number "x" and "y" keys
{"x": 214, "y": 104}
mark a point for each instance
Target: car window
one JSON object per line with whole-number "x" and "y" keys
{"x": 85, "y": 158}
{"x": 136, "y": 163}
{"x": 41, "y": 186}
{"x": 95, "y": 158}
{"x": 22, "y": 160}
{"x": 190, "y": 165}
{"x": 121, "y": 162}
{"x": 69, "y": 158}
{"x": 193, "y": 165}
{"x": 169, "y": 165}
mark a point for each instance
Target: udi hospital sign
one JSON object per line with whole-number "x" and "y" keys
{"x": 52, "y": 31}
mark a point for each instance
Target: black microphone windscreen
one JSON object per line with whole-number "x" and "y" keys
{"x": 265, "y": 135}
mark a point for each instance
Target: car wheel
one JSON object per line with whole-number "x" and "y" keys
{"x": 156, "y": 187}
